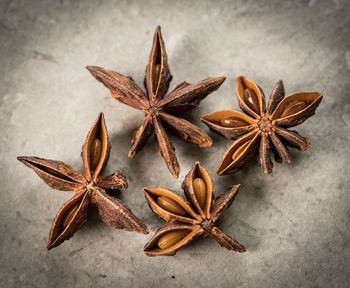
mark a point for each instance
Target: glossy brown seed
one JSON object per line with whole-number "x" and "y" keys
{"x": 69, "y": 216}
{"x": 200, "y": 191}
{"x": 231, "y": 121}
{"x": 95, "y": 153}
{"x": 155, "y": 76}
{"x": 171, "y": 206}
{"x": 293, "y": 108}
{"x": 171, "y": 238}
{"x": 251, "y": 100}
{"x": 240, "y": 150}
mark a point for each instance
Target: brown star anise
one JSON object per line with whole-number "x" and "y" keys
{"x": 188, "y": 220}
{"x": 268, "y": 125}
{"x": 89, "y": 188}
{"x": 160, "y": 109}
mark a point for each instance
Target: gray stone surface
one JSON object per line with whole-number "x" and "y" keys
{"x": 295, "y": 222}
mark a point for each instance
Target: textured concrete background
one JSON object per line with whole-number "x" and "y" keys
{"x": 295, "y": 222}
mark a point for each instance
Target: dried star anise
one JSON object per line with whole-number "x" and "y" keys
{"x": 188, "y": 220}
{"x": 89, "y": 189}
{"x": 160, "y": 109}
{"x": 267, "y": 130}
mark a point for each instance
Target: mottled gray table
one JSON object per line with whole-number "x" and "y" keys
{"x": 295, "y": 222}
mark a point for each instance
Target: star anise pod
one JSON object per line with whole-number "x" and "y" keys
{"x": 188, "y": 220}
{"x": 263, "y": 128}
{"x": 160, "y": 109}
{"x": 91, "y": 188}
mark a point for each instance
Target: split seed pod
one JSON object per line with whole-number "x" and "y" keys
{"x": 192, "y": 218}
{"x": 262, "y": 129}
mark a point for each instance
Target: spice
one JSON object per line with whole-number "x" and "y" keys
{"x": 161, "y": 109}
{"x": 262, "y": 129}
{"x": 91, "y": 188}
{"x": 187, "y": 220}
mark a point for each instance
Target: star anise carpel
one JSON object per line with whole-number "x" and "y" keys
{"x": 192, "y": 218}
{"x": 161, "y": 109}
{"x": 90, "y": 188}
{"x": 262, "y": 128}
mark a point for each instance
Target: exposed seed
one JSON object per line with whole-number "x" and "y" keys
{"x": 69, "y": 216}
{"x": 95, "y": 154}
{"x": 200, "y": 191}
{"x": 293, "y": 108}
{"x": 232, "y": 121}
{"x": 171, "y": 206}
{"x": 169, "y": 239}
{"x": 155, "y": 76}
{"x": 252, "y": 100}
{"x": 56, "y": 173}
{"x": 240, "y": 150}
